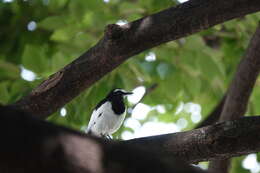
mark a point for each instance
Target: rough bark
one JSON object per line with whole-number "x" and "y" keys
{"x": 243, "y": 83}
{"x": 239, "y": 92}
{"x": 220, "y": 166}
{"x": 121, "y": 42}
{"x": 29, "y": 145}
{"x": 222, "y": 140}
{"x": 32, "y": 145}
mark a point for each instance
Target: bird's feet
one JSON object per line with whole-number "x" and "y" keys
{"x": 107, "y": 137}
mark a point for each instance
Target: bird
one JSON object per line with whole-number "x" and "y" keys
{"x": 108, "y": 115}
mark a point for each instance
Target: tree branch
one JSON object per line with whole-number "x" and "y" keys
{"x": 239, "y": 92}
{"x": 121, "y": 42}
{"x": 243, "y": 83}
{"x": 31, "y": 145}
{"x": 217, "y": 166}
{"x": 221, "y": 140}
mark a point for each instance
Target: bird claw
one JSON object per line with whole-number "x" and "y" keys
{"x": 106, "y": 137}
{"x": 109, "y": 137}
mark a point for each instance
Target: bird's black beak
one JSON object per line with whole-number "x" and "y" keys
{"x": 128, "y": 93}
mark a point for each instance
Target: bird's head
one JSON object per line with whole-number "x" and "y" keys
{"x": 118, "y": 92}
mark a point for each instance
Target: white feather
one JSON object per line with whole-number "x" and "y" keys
{"x": 107, "y": 123}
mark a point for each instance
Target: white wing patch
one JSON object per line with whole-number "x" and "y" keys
{"x": 103, "y": 121}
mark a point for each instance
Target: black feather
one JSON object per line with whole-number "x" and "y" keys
{"x": 117, "y": 101}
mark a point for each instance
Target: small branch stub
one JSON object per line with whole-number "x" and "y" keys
{"x": 113, "y": 31}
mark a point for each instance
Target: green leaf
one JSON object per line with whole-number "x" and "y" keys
{"x": 194, "y": 43}
{"x": 255, "y": 99}
{"x": 58, "y": 61}
{"x": 55, "y": 5}
{"x": 78, "y": 7}
{"x": 9, "y": 70}
{"x": 34, "y": 58}
{"x": 164, "y": 70}
{"x": 88, "y": 19}
{"x": 18, "y": 89}
{"x": 4, "y": 94}
{"x": 208, "y": 67}
{"x": 237, "y": 165}
{"x": 192, "y": 84}
{"x": 53, "y": 22}
{"x": 148, "y": 67}
{"x": 64, "y": 34}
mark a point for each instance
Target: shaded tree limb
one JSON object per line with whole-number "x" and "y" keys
{"x": 239, "y": 92}
{"x": 217, "y": 166}
{"x": 32, "y": 145}
{"x": 243, "y": 83}
{"x": 121, "y": 42}
{"x": 29, "y": 145}
{"x": 222, "y": 140}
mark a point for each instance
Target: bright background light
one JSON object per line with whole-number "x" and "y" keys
{"x": 63, "y": 112}
{"x": 150, "y": 57}
{"x": 121, "y": 22}
{"x": 27, "y": 74}
{"x": 31, "y": 26}
{"x": 250, "y": 162}
{"x": 8, "y": 1}
{"x": 154, "y": 126}
{"x": 137, "y": 95}
{"x": 182, "y": 1}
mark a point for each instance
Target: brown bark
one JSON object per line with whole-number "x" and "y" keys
{"x": 239, "y": 92}
{"x": 222, "y": 140}
{"x": 29, "y": 145}
{"x": 32, "y": 145}
{"x": 121, "y": 42}
{"x": 243, "y": 83}
{"x": 220, "y": 166}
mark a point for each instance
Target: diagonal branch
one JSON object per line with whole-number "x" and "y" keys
{"x": 243, "y": 83}
{"x": 239, "y": 92}
{"x": 121, "y": 42}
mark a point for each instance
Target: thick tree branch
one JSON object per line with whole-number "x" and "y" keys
{"x": 218, "y": 166}
{"x": 244, "y": 81}
{"x": 221, "y": 140}
{"x": 29, "y": 145}
{"x": 239, "y": 92}
{"x": 121, "y": 42}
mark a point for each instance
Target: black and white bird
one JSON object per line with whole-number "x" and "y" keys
{"x": 108, "y": 115}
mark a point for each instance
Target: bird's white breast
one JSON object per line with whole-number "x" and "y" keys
{"x": 104, "y": 121}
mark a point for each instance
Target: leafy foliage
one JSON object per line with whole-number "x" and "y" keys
{"x": 195, "y": 69}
